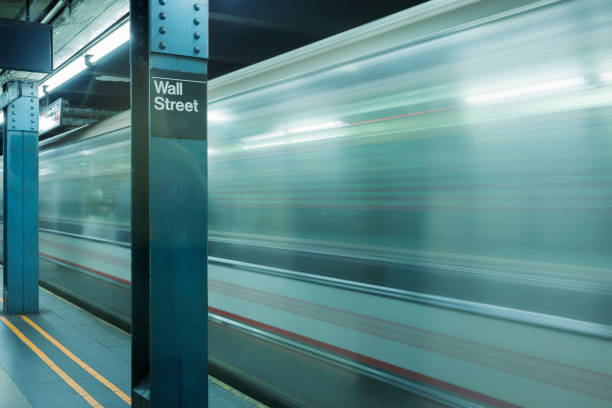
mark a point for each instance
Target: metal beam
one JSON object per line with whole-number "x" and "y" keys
{"x": 169, "y": 51}
{"x": 20, "y": 187}
{"x": 12, "y": 91}
{"x": 32, "y": 51}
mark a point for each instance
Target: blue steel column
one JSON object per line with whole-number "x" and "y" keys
{"x": 20, "y": 204}
{"x": 169, "y": 208}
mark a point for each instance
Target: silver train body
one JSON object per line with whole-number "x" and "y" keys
{"x": 413, "y": 213}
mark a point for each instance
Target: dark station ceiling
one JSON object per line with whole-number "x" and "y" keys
{"x": 16, "y": 10}
{"x": 242, "y": 32}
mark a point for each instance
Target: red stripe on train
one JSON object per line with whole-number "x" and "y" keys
{"x": 413, "y": 375}
{"x": 85, "y": 268}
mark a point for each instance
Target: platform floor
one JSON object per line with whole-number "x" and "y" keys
{"x": 66, "y": 357}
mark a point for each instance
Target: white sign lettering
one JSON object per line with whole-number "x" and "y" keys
{"x": 164, "y": 103}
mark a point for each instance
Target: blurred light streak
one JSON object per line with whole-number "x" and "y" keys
{"x": 525, "y": 90}
{"x": 259, "y": 146}
{"x": 303, "y": 129}
{"x": 264, "y": 136}
{"x": 605, "y": 76}
{"x": 217, "y": 116}
{"x": 404, "y": 115}
{"x": 317, "y": 127}
{"x": 326, "y": 126}
{"x": 313, "y": 139}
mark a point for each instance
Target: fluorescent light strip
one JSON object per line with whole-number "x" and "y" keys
{"x": 1, "y": 117}
{"x": 525, "y": 90}
{"x": 63, "y": 75}
{"x": 97, "y": 51}
{"x": 110, "y": 43}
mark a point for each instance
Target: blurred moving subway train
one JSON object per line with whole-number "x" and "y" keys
{"x": 414, "y": 213}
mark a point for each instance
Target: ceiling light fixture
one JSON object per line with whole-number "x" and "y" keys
{"x": 97, "y": 51}
{"x": 63, "y": 75}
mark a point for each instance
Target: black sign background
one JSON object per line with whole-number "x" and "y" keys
{"x": 26, "y": 46}
{"x": 179, "y": 124}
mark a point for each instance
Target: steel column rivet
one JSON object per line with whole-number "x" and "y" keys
{"x": 162, "y": 30}
{"x": 162, "y": 2}
{"x": 196, "y": 21}
{"x": 196, "y": 49}
{"x": 162, "y": 16}
{"x": 196, "y": 7}
{"x": 196, "y": 35}
{"x": 162, "y": 45}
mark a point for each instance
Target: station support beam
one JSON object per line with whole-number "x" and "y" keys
{"x": 20, "y": 188}
{"x": 168, "y": 53}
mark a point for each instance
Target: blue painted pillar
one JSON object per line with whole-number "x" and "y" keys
{"x": 20, "y": 204}
{"x": 168, "y": 53}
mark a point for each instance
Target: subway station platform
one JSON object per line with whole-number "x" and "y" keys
{"x": 66, "y": 357}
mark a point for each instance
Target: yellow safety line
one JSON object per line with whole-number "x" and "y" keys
{"x": 90, "y": 400}
{"x": 237, "y": 393}
{"x": 80, "y": 362}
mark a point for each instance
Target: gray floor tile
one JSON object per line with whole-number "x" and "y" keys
{"x": 10, "y": 394}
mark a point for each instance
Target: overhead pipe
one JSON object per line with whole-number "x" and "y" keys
{"x": 54, "y": 11}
